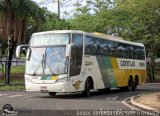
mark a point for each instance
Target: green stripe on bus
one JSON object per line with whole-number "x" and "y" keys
{"x": 46, "y": 77}
{"x": 107, "y": 71}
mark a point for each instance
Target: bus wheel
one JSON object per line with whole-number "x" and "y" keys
{"x": 130, "y": 84}
{"x": 86, "y": 92}
{"x": 136, "y": 83}
{"x": 52, "y": 93}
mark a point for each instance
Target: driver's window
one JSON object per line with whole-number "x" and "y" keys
{"x": 76, "y": 54}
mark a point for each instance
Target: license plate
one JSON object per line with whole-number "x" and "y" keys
{"x": 44, "y": 89}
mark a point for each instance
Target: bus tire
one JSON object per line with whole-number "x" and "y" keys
{"x": 52, "y": 93}
{"x": 130, "y": 86}
{"x": 136, "y": 82}
{"x": 86, "y": 92}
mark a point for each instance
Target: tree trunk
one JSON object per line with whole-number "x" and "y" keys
{"x": 11, "y": 45}
{"x": 150, "y": 66}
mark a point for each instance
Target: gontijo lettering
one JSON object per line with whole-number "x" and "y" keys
{"x": 127, "y": 63}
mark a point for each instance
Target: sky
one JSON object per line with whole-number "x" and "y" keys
{"x": 52, "y": 6}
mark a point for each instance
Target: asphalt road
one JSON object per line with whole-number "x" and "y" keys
{"x": 34, "y": 101}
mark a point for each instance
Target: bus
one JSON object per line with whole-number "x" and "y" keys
{"x": 64, "y": 61}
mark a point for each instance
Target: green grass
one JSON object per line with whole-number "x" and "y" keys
{"x": 14, "y": 85}
{"x": 12, "y": 88}
{"x": 16, "y": 79}
{"x": 18, "y": 69}
{"x": 15, "y": 69}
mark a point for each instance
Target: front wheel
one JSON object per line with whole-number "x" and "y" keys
{"x": 52, "y": 93}
{"x": 86, "y": 92}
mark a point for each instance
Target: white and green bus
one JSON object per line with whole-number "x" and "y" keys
{"x": 77, "y": 61}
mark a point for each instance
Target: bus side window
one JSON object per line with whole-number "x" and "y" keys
{"x": 132, "y": 52}
{"x": 102, "y": 48}
{"x": 105, "y": 48}
{"x": 88, "y": 45}
{"x": 76, "y": 54}
{"x": 112, "y": 48}
{"x": 142, "y": 53}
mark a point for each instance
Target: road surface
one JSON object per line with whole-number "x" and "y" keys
{"x": 35, "y": 101}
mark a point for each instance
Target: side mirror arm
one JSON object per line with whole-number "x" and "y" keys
{"x": 68, "y": 50}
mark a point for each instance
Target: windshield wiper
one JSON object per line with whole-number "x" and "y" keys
{"x": 43, "y": 63}
{"x": 34, "y": 73}
{"x": 50, "y": 69}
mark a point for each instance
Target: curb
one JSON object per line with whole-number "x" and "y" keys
{"x": 142, "y": 105}
{"x": 130, "y": 106}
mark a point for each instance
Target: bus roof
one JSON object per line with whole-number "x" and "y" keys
{"x": 95, "y": 34}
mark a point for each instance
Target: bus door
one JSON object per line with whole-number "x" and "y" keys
{"x": 76, "y": 58}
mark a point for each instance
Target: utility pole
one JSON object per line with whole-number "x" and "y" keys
{"x": 59, "y": 9}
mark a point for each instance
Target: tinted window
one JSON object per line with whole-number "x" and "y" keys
{"x": 91, "y": 45}
{"x": 112, "y": 48}
{"x": 96, "y": 46}
{"x": 76, "y": 54}
{"x": 138, "y": 52}
{"x": 102, "y": 47}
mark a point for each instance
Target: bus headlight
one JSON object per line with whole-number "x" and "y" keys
{"x": 62, "y": 79}
{"x": 28, "y": 80}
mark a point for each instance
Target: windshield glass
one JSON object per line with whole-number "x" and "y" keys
{"x": 48, "y": 58}
{"x": 49, "y": 39}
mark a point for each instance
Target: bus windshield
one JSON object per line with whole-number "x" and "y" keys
{"x": 49, "y": 39}
{"x": 49, "y": 57}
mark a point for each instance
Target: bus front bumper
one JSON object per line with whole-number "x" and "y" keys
{"x": 53, "y": 87}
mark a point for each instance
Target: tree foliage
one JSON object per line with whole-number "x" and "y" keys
{"x": 54, "y": 23}
{"x": 144, "y": 22}
{"x": 14, "y": 17}
{"x": 135, "y": 20}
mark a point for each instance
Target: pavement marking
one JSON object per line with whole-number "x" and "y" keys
{"x": 3, "y": 94}
{"x": 125, "y": 103}
{"x": 112, "y": 98}
{"x": 115, "y": 98}
{"x": 18, "y": 95}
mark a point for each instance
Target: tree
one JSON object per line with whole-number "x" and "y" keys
{"x": 134, "y": 20}
{"x": 14, "y": 15}
{"x": 54, "y": 23}
{"x": 94, "y": 16}
{"x": 143, "y": 26}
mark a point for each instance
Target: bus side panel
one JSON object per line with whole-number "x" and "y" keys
{"x": 107, "y": 72}
{"x": 91, "y": 68}
{"x": 120, "y": 75}
{"x": 141, "y": 75}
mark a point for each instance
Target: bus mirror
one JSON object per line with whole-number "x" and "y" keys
{"x": 68, "y": 50}
{"x": 21, "y": 51}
